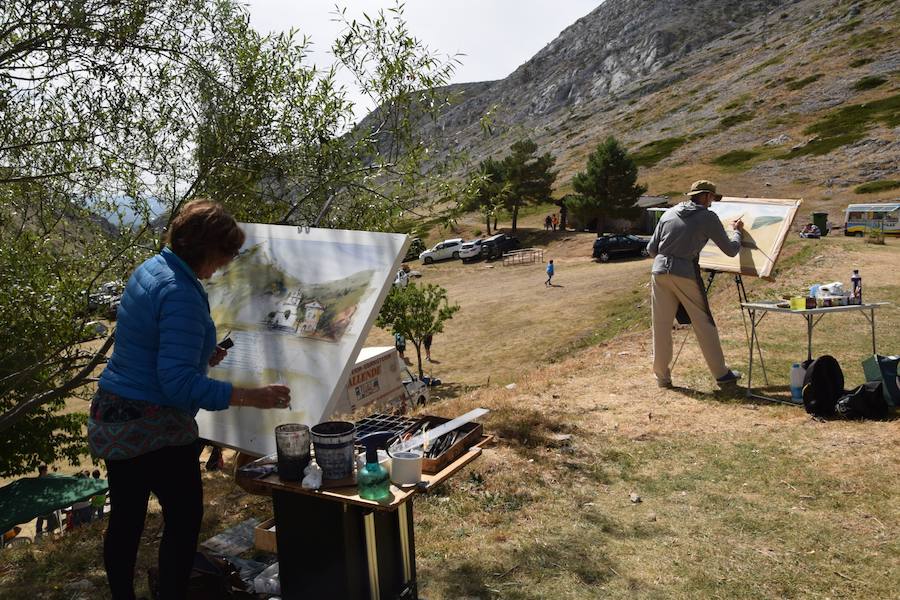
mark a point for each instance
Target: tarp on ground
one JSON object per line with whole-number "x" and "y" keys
{"x": 30, "y": 497}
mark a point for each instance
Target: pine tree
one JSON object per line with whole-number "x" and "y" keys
{"x": 529, "y": 177}
{"x": 607, "y": 188}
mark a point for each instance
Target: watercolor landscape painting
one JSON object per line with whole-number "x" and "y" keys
{"x": 297, "y": 306}
{"x": 766, "y": 224}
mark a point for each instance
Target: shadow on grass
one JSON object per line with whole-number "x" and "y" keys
{"x": 447, "y": 391}
{"x": 513, "y": 575}
{"x": 528, "y": 428}
{"x": 732, "y": 394}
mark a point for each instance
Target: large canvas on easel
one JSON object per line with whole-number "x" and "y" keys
{"x": 766, "y": 225}
{"x": 298, "y": 303}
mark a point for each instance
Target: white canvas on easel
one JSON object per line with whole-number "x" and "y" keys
{"x": 766, "y": 225}
{"x": 298, "y": 304}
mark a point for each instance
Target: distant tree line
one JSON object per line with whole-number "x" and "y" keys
{"x": 606, "y": 189}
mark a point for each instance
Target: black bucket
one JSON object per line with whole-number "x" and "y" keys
{"x": 333, "y": 443}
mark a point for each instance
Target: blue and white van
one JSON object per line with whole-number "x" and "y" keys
{"x": 860, "y": 219}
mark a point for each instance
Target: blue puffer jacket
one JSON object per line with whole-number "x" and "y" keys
{"x": 164, "y": 340}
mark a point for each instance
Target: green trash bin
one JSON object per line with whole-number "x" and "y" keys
{"x": 820, "y": 220}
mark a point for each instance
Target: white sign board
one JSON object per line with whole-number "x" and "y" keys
{"x": 298, "y": 304}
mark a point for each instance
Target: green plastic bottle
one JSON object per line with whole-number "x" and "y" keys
{"x": 373, "y": 480}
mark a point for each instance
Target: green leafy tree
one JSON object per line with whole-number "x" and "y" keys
{"x": 607, "y": 188}
{"x": 114, "y": 114}
{"x": 487, "y": 191}
{"x": 415, "y": 311}
{"x": 529, "y": 177}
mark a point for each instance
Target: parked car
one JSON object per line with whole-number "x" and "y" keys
{"x": 494, "y": 246}
{"x": 471, "y": 250}
{"x": 442, "y": 251}
{"x": 610, "y": 246}
{"x": 416, "y": 247}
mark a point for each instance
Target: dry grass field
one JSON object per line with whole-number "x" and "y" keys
{"x": 738, "y": 499}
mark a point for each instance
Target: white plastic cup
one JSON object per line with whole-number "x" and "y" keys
{"x": 406, "y": 468}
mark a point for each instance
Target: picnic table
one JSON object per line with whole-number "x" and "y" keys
{"x": 758, "y": 311}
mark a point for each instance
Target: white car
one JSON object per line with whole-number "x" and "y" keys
{"x": 442, "y": 251}
{"x": 402, "y": 278}
{"x": 416, "y": 390}
{"x": 470, "y": 250}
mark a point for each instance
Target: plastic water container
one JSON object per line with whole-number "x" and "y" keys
{"x": 797, "y": 375}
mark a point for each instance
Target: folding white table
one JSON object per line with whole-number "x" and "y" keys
{"x": 759, "y": 310}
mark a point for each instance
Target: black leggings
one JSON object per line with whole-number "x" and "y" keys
{"x": 173, "y": 475}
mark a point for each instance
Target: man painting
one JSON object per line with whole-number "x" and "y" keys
{"x": 679, "y": 237}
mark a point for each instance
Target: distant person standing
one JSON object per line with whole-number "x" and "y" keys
{"x": 81, "y": 511}
{"x": 550, "y": 271}
{"x": 426, "y": 341}
{"x": 554, "y": 221}
{"x": 400, "y": 344}
{"x": 681, "y": 233}
{"x": 548, "y": 223}
{"x": 50, "y": 520}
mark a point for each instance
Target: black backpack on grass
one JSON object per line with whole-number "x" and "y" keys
{"x": 824, "y": 394}
{"x": 865, "y": 402}
{"x": 823, "y": 386}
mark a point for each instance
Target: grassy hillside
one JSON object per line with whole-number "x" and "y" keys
{"x": 739, "y": 499}
{"x": 801, "y": 102}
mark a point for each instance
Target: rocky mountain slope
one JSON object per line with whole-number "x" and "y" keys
{"x": 781, "y": 98}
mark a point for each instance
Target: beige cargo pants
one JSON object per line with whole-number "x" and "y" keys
{"x": 666, "y": 292}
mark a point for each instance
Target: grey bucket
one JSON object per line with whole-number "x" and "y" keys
{"x": 333, "y": 443}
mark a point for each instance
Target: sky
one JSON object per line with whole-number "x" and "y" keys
{"x": 495, "y": 36}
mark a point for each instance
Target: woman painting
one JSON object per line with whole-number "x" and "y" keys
{"x": 142, "y": 416}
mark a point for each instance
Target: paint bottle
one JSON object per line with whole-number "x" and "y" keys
{"x": 798, "y": 373}
{"x": 856, "y": 287}
{"x": 373, "y": 480}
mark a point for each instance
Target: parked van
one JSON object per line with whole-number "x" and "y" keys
{"x": 860, "y": 219}
{"x": 381, "y": 379}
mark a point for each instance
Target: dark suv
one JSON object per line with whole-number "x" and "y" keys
{"x": 615, "y": 245}
{"x": 494, "y": 246}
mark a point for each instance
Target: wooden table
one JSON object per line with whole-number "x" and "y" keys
{"x": 332, "y": 544}
{"x": 758, "y": 311}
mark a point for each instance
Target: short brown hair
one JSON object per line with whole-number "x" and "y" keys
{"x": 204, "y": 230}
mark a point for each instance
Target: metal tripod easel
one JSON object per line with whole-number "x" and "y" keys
{"x": 742, "y": 299}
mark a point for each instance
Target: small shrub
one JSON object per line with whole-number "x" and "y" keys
{"x": 732, "y": 120}
{"x": 859, "y": 62}
{"x": 802, "y": 83}
{"x": 868, "y": 83}
{"x": 737, "y": 102}
{"x": 735, "y": 158}
{"x": 875, "y": 235}
{"x": 650, "y": 154}
{"x": 477, "y": 233}
{"x": 870, "y": 38}
{"x": 775, "y": 60}
{"x": 849, "y": 26}
{"x": 873, "y": 187}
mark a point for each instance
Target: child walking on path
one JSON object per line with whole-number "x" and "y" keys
{"x": 549, "y": 273}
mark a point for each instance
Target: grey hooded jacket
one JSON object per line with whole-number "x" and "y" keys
{"x": 680, "y": 235}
